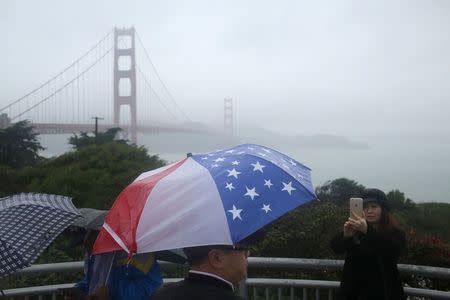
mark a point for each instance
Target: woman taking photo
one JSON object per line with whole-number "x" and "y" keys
{"x": 372, "y": 245}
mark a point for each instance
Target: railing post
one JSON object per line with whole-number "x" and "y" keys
{"x": 243, "y": 288}
{"x": 304, "y": 287}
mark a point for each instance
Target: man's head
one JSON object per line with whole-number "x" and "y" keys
{"x": 227, "y": 262}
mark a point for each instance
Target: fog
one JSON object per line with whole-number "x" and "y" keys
{"x": 374, "y": 72}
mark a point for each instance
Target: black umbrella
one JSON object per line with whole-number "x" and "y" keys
{"x": 28, "y": 224}
{"x": 91, "y": 218}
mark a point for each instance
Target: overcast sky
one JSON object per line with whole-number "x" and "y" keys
{"x": 298, "y": 67}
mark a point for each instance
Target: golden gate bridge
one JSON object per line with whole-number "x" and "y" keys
{"x": 108, "y": 82}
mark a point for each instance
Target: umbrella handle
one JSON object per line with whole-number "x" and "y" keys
{"x": 110, "y": 268}
{"x": 130, "y": 258}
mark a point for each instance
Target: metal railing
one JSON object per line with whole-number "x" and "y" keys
{"x": 253, "y": 288}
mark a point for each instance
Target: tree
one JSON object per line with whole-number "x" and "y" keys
{"x": 5, "y": 121}
{"x": 398, "y": 200}
{"x": 19, "y": 145}
{"x": 304, "y": 232}
{"x": 93, "y": 176}
{"x": 339, "y": 190}
{"x": 84, "y": 139}
{"x": 9, "y": 183}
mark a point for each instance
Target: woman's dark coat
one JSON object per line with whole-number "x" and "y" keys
{"x": 370, "y": 268}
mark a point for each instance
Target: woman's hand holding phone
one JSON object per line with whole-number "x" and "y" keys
{"x": 348, "y": 231}
{"x": 358, "y": 223}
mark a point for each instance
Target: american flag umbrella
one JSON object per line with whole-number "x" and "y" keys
{"x": 28, "y": 224}
{"x": 217, "y": 198}
{"x": 93, "y": 219}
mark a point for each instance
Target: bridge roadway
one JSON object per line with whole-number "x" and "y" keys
{"x": 54, "y": 128}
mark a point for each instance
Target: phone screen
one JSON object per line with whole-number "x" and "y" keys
{"x": 356, "y": 206}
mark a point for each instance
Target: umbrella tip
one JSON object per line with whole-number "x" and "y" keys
{"x": 189, "y": 154}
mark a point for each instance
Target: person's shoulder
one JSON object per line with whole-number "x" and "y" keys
{"x": 231, "y": 295}
{"x": 168, "y": 290}
{"x": 395, "y": 234}
{"x": 223, "y": 296}
{"x": 396, "y": 231}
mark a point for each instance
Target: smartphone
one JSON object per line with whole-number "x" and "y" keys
{"x": 356, "y": 206}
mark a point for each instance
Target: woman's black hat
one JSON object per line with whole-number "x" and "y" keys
{"x": 377, "y": 196}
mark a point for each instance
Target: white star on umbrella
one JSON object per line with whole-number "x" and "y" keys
{"x": 288, "y": 187}
{"x": 268, "y": 183}
{"x": 266, "y": 208}
{"x": 236, "y": 212}
{"x": 233, "y": 173}
{"x": 235, "y": 163}
{"x": 292, "y": 162}
{"x": 219, "y": 159}
{"x": 251, "y": 193}
{"x": 258, "y": 167}
{"x": 229, "y": 186}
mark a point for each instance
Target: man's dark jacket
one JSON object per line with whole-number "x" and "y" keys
{"x": 370, "y": 268}
{"x": 196, "y": 287}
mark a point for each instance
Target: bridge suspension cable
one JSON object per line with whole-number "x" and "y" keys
{"x": 59, "y": 74}
{"x": 159, "y": 78}
{"x": 64, "y": 86}
{"x": 147, "y": 82}
{"x": 80, "y": 89}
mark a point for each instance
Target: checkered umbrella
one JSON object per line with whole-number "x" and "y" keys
{"x": 28, "y": 224}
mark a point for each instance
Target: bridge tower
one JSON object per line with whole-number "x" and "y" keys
{"x": 125, "y": 78}
{"x": 228, "y": 116}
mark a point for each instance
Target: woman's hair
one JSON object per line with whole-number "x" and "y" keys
{"x": 387, "y": 221}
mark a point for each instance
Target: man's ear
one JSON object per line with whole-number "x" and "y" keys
{"x": 216, "y": 258}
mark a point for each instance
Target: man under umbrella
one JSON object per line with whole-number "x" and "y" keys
{"x": 112, "y": 275}
{"x": 218, "y": 198}
{"x": 214, "y": 272}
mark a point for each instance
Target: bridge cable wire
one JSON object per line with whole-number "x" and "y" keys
{"x": 159, "y": 77}
{"x": 147, "y": 83}
{"x": 59, "y": 74}
{"x": 154, "y": 92}
{"x": 64, "y": 86}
